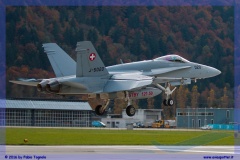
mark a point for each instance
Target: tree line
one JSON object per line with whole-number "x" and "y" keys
{"x": 203, "y": 34}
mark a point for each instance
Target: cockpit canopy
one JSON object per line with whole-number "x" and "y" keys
{"x": 172, "y": 58}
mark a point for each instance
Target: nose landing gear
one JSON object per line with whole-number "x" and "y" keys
{"x": 168, "y": 101}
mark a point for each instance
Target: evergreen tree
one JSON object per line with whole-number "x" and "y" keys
{"x": 67, "y": 36}
{"x": 56, "y": 30}
{"x": 146, "y": 22}
{"x": 135, "y": 46}
{"x": 117, "y": 33}
{"x": 80, "y": 35}
{"x": 133, "y": 21}
{"x": 92, "y": 36}
{"x": 11, "y": 31}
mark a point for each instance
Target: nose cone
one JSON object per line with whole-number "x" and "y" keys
{"x": 212, "y": 72}
{"x": 217, "y": 72}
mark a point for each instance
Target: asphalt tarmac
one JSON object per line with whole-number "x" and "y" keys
{"x": 120, "y": 152}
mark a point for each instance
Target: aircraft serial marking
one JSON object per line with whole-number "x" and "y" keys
{"x": 197, "y": 67}
{"x": 97, "y": 69}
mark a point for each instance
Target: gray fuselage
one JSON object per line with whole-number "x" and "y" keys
{"x": 195, "y": 71}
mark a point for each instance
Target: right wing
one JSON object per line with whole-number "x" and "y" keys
{"x": 134, "y": 80}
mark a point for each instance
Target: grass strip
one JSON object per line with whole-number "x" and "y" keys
{"x": 52, "y": 136}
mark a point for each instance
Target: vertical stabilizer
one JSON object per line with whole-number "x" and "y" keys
{"x": 62, "y": 63}
{"x": 89, "y": 64}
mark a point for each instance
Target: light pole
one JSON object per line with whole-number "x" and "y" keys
{"x": 188, "y": 115}
{"x": 205, "y": 120}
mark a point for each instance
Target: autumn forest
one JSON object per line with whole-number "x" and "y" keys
{"x": 200, "y": 34}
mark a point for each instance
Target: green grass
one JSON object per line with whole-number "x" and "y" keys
{"x": 53, "y": 136}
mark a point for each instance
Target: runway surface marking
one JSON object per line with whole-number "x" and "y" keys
{"x": 122, "y": 149}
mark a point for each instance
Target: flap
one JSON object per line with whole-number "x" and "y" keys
{"x": 124, "y": 85}
{"x": 124, "y": 82}
{"x": 131, "y": 76}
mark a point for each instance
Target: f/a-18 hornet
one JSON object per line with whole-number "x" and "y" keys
{"x": 136, "y": 80}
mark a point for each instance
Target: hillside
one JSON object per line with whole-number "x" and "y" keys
{"x": 200, "y": 34}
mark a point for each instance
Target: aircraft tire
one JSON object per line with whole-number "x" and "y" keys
{"x": 170, "y": 102}
{"x": 98, "y": 110}
{"x": 130, "y": 110}
{"x": 165, "y": 102}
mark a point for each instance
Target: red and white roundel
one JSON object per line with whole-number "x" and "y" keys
{"x": 92, "y": 56}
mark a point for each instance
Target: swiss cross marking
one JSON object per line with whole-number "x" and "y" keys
{"x": 92, "y": 56}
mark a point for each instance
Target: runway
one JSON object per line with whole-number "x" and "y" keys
{"x": 122, "y": 152}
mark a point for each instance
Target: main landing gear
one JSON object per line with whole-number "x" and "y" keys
{"x": 168, "y": 101}
{"x": 100, "y": 109}
{"x": 130, "y": 110}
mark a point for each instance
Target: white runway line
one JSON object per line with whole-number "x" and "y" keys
{"x": 119, "y": 152}
{"x": 123, "y": 149}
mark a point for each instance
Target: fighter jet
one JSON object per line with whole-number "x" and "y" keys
{"x": 128, "y": 81}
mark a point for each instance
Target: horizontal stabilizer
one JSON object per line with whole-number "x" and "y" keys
{"x": 27, "y": 82}
{"x": 62, "y": 63}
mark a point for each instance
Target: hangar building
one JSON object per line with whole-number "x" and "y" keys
{"x": 198, "y": 117}
{"x": 47, "y": 113}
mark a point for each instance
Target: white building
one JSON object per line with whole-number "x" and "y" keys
{"x": 145, "y": 116}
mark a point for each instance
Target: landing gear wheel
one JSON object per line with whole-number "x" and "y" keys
{"x": 170, "y": 102}
{"x": 165, "y": 102}
{"x": 130, "y": 110}
{"x": 99, "y": 111}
